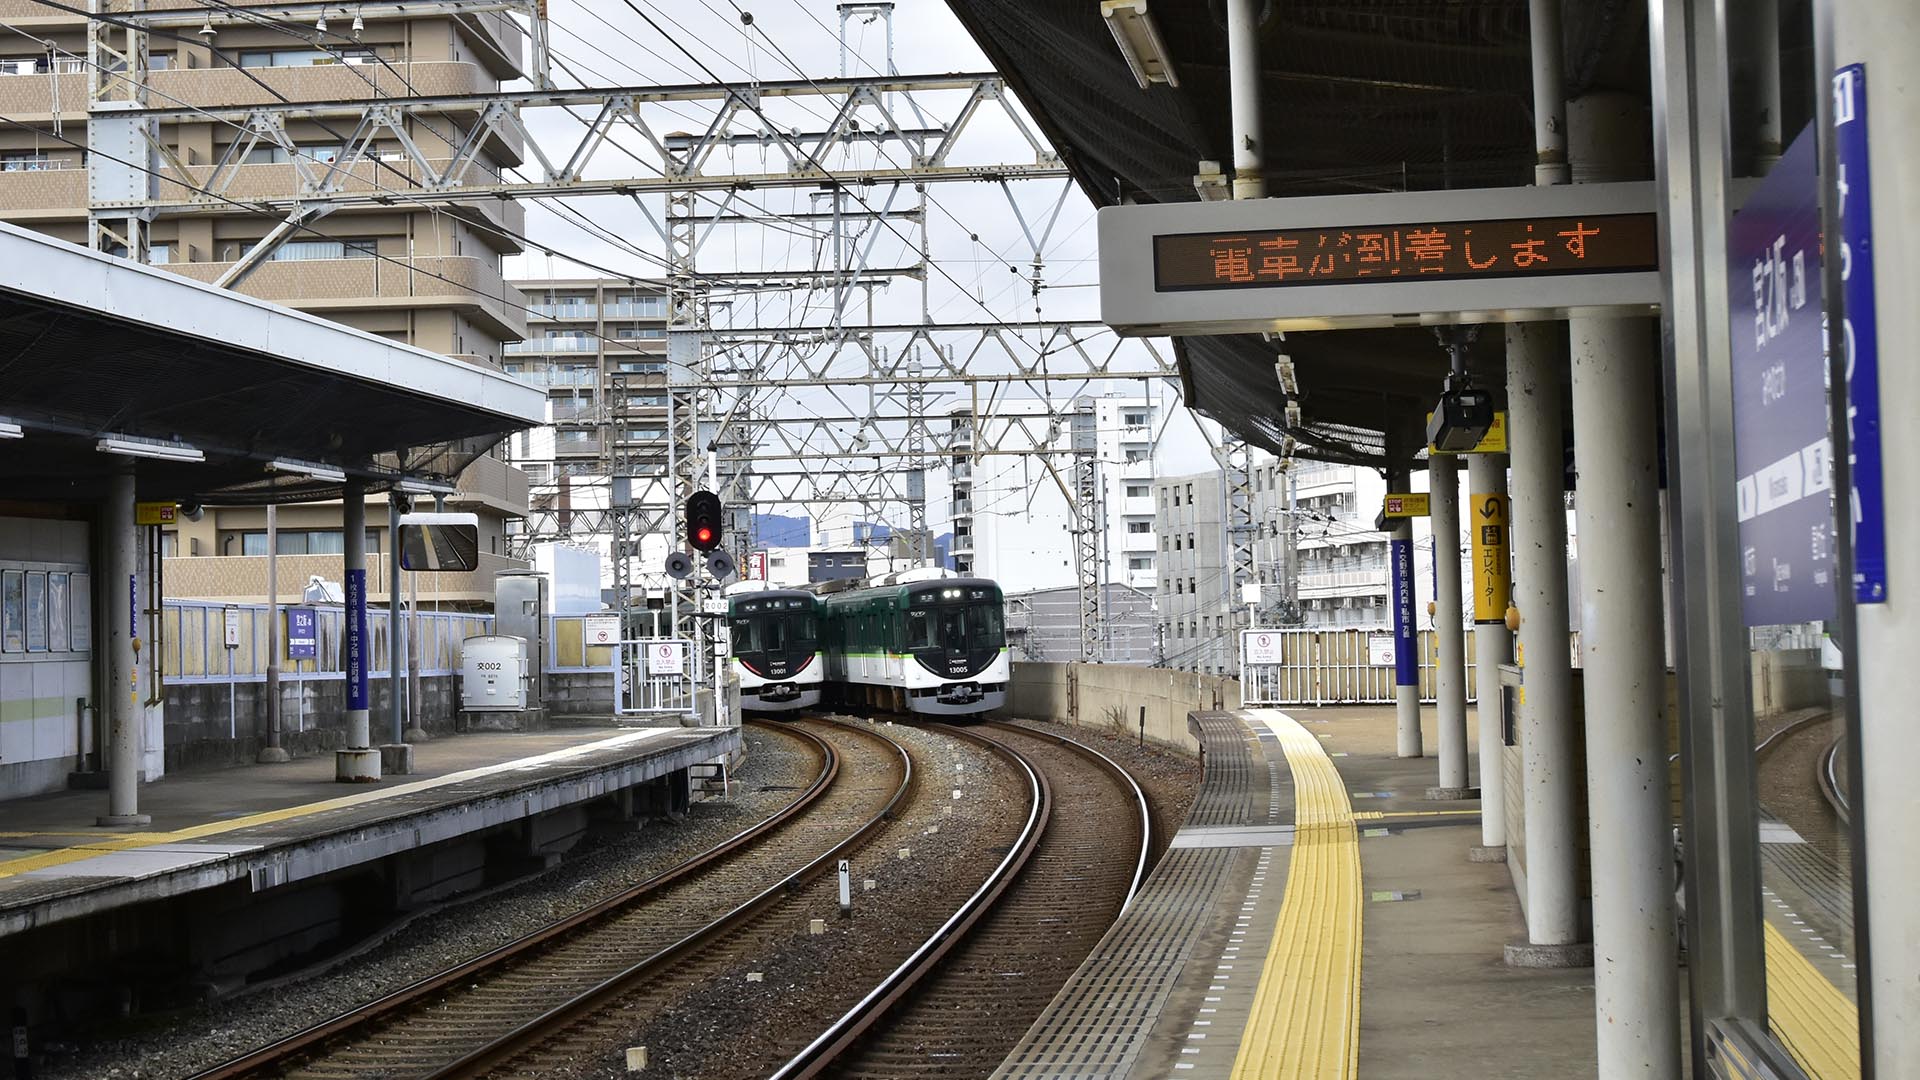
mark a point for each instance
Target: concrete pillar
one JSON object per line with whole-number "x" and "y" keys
{"x": 1406, "y": 639}
{"x": 359, "y": 762}
{"x": 125, "y": 715}
{"x": 1535, "y": 433}
{"x": 1615, "y": 390}
{"x": 1884, "y": 35}
{"x": 1629, "y": 816}
{"x": 396, "y": 684}
{"x": 1450, "y": 668}
{"x": 1487, "y": 508}
{"x": 271, "y": 752}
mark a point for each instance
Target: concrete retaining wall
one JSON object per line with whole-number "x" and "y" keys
{"x": 1111, "y": 696}
{"x": 208, "y": 728}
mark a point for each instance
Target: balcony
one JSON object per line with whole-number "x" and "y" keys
{"x": 587, "y": 447}
{"x": 960, "y": 508}
{"x": 569, "y": 411}
{"x": 962, "y": 545}
{"x": 242, "y": 579}
{"x": 495, "y": 484}
{"x": 564, "y": 312}
{"x": 1137, "y": 506}
{"x": 1138, "y": 542}
{"x": 555, "y": 345}
{"x": 325, "y": 285}
{"x": 1331, "y": 583}
{"x": 1143, "y": 579}
{"x": 558, "y": 376}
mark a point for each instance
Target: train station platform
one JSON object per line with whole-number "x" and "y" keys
{"x": 1316, "y": 917}
{"x": 262, "y": 827}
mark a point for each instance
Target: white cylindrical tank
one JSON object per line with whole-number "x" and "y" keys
{"x": 493, "y": 674}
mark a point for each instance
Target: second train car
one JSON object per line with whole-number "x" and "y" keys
{"x": 776, "y": 647}
{"x": 922, "y": 641}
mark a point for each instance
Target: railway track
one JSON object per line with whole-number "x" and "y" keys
{"x": 492, "y": 1008}
{"x": 1827, "y": 775}
{"x": 965, "y": 996}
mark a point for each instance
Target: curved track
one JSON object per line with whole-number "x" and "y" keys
{"x": 564, "y": 971}
{"x": 1827, "y": 775}
{"x": 966, "y": 995}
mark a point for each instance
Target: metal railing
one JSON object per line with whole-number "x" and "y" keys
{"x": 1335, "y": 667}
{"x": 193, "y": 642}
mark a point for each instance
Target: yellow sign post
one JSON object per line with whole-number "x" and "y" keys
{"x": 154, "y": 513}
{"x": 1492, "y": 566}
{"x": 1410, "y": 504}
{"x": 1493, "y": 442}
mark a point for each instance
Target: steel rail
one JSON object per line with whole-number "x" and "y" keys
{"x": 1126, "y": 780}
{"x": 485, "y": 1059}
{"x": 284, "y": 1051}
{"x": 824, "y": 1050}
{"x": 1826, "y": 772}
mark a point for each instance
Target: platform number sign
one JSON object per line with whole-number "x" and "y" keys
{"x": 1860, "y": 327}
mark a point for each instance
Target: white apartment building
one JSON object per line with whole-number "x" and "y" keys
{"x": 1010, "y": 519}
{"x": 1341, "y": 558}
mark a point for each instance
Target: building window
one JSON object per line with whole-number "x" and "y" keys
{"x": 1176, "y": 543}
{"x": 1140, "y": 562}
{"x": 1134, "y": 419}
{"x": 1139, "y": 526}
{"x": 1136, "y": 491}
{"x": 304, "y": 542}
{"x": 309, "y": 250}
{"x": 1178, "y": 588}
{"x": 258, "y": 58}
{"x": 25, "y": 161}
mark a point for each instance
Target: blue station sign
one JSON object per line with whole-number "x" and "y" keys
{"x": 1782, "y": 444}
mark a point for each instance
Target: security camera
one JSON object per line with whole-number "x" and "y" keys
{"x": 192, "y": 511}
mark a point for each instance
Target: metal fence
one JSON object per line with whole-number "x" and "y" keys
{"x": 193, "y": 642}
{"x": 1333, "y": 667}
{"x": 646, "y": 685}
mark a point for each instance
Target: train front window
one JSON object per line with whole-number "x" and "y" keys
{"x": 971, "y": 628}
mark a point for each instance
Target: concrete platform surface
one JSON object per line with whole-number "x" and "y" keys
{"x": 1345, "y": 933}
{"x": 275, "y": 824}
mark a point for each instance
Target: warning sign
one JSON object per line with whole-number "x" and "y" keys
{"x": 600, "y": 629}
{"x": 666, "y": 658}
{"x": 1260, "y": 647}
{"x": 1492, "y": 563}
{"x": 1406, "y": 505}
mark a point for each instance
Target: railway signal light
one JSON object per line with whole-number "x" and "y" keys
{"x": 705, "y": 521}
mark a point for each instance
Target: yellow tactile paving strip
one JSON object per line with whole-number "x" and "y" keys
{"x": 1806, "y": 1012}
{"x": 1306, "y": 1013}
{"x": 131, "y": 841}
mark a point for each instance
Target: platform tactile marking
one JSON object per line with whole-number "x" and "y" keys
{"x": 1099, "y": 1022}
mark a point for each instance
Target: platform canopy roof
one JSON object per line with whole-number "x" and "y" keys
{"x": 94, "y": 347}
{"x": 1360, "y": 96}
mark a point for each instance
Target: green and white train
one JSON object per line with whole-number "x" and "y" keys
{"x": 921, "y": 641}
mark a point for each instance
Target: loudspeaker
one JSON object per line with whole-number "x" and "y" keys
{"x": 720, "y": 565}
{"x": 679, "y": 565}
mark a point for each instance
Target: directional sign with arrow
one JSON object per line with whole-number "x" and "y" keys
{"x": 1492, "y": 567}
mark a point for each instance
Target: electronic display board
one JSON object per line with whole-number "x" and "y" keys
{"x": 1397, "y": 259}
{"x": 1439, "y": 251}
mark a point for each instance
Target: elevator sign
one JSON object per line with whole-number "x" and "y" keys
{"x": 1407, "y": 258}
{"x": 1781, "y": 449}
